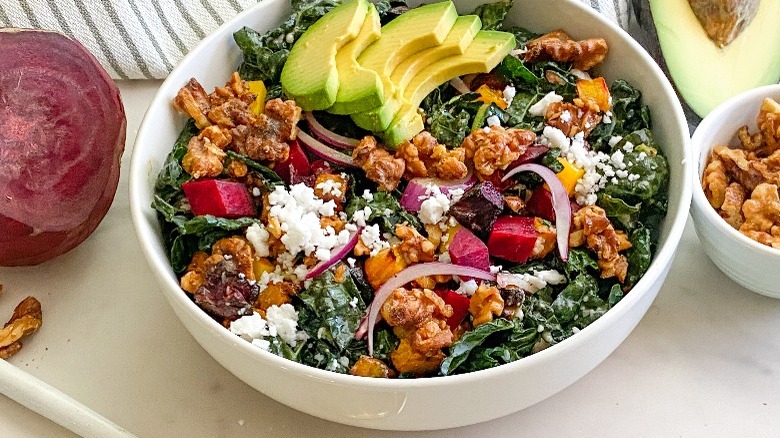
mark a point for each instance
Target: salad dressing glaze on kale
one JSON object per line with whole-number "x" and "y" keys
{"x": 527, "y": 208}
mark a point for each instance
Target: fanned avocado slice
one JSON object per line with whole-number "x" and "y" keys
{"x": 360, "y": 89}
{"x": 487, "y": 50}
{"x": 714, "y": 50}
{"x": 416, "y": 30}
{"x": 310, "y": 75}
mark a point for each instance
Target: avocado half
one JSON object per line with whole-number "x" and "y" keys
{"x": 739, "y": 50}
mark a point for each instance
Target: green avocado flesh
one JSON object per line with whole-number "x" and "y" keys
{"x": 310, "y": 75}
{"x": 705, "y": 74}
{"x": 416, "y": 30}
{"x": 360, "y": 89}
{"x": 486, "y": 51}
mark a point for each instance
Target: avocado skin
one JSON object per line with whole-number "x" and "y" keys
{"x": 310, "y": 76}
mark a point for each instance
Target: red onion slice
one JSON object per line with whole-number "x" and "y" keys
{"x": 560, "y": 199}
{"x": 325, "y": 152}
{"x": 458, "y": 84}
{"x": 336, "y": 255}
{"x": 409, "y": 274}
{"x": 329, "y": 136}
{"x": 415, "y": 192}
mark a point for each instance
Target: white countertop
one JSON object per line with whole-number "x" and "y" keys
{"x": 704, "y": 361}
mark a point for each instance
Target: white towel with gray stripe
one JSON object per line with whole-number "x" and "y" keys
{"x": 145, "y": 39}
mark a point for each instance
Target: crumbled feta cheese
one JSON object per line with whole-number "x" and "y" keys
{"x": 360, "y": 217}
{"x": 330, "y": 187}
{"x": 289, "y": 38}
{"x": 565, "y": 116}
{"x": 633, "y": 177}
{"x": 607, "y": 119}
{"x": 258, "y": 236}
{"x": 250, "y": 327}
{"x": 353, "y": 302}
{"x": 467, "y": 288}
{"x": 351, "y": 262}
{"x": 496, "y": 269}
{"x": 615, "y": 139}
{"x": 367, "y": 195}
{"x": 344, "y": 361}
{"x": 493, "y": 121}
{"x": 486, "y": 129}
{"x": 509, "y": 94}
{"x": 532, "y": 282}
{"x": 445, "y": 256}
{"x": 372, "y": 238}
{"x": 255, "y": 192}
{"x": 435, "y": 206}
{"x": 540, "y": 107}
{"x": 284, "y": 319}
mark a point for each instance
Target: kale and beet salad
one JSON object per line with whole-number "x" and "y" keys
{"x": 389, "y": 191}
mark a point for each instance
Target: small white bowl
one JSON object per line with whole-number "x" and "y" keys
{"x": 747, "y": 262}
{"x": 434, "y": 403}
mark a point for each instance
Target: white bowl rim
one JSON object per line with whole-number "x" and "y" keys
{"x": 161, "y": 265}
{"x": 699, "y": 198}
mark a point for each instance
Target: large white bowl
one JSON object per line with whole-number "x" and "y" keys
{"x": 747, "y": 262}
{"x": 433, "y": 403}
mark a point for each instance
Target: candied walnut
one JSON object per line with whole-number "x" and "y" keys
{"x": 485, "y": 303}
{"x": 769, "y": 124}
{"x": 406, "y": 359}
{"x": 414, "y": 247}
{"x": 762, "y": 210}
{"x": 196, "y": 272}
{"x": 193, "y": 101}
{"x": 260, "y": 142}
{"x": 405, "y": 308}
{"x": 203, "y": 158}
{"x": 426, "y": 157}
{"x": 432, "y": 336}
{"x": 232, "y": 113}
{"x": 275, "y": 294}
{"x": 738, "y": 167}
{"x": 332, "y": 221}
{"x": 715, "y": 181}
{"x": 226, "y": 293}
{"x": 331, "y": 187}
{"x": 546, "y": 239}
{"x": 237, "y": 169}
{"x": 571, "y": 118}
{"x": 731, "y": 209}
{"x": 219, "y": 137}
{"x": 496, "y": 148}
{"x": 27, "y": 318}
{"x": 559, "y": 46}
{"x": 592, "y": 227}
{"x": 284, "y": 115}
{"x": 379, "y": 165}
{"x": 239, "y": 250}
{"x": 367, "y": 366}
{"x": 234, "y": 88}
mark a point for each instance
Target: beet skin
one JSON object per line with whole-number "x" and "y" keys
{"x": 62, "y": 134}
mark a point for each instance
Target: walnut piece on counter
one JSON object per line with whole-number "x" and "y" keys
{"x": 559, "y": 46}
{"x": 27, "y": 318}
{"x": 380, "y": 166}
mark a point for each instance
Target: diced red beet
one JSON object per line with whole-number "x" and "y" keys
{"x": 296, "y": 166}
{"x": 513, "y": 238}
{"x": 540, "y": 204}
{"x": 467, "y": 250}
{"x": 62, "y": 134}
{"x": 219, "y": 198}
{"x": 478, "y": 208}
{"x": 460, "y": 306}
{"x": 320, "y": 166}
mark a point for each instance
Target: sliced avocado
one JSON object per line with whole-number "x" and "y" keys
{"x": 310, "y": 75}
{"x": 458, "y": 40}
{"x": 486, "y": 51}
{"x": 360, "y": 89}
{"x": 413, "y": 31}
{"x": 705, "y": 73}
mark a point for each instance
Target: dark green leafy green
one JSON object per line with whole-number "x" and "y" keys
{"x": 628, "y": 115}
{"x": 618, "y": 210}
{"x": 449, "y": 116}
{"x": 522, "y": 35}
{"x": 651, "y": 168}
{"x": 382, "y": 203}
{"x": 172, "y": 175}
{"x": 265, "y": 54}
{"x": 493, "y": 14}
{"x": 516, "y": 71}
{"x": 390, "y": 9}
{"x": 639, "y": 255}
{"x": 460, "y": 350}
{"x": 271, "y": 177}
{"x": 568, "y": 303}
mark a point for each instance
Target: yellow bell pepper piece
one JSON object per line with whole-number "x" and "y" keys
{"x": 596, "y": 90}
{"x": 258, "y": 88}
{"x": 489, "y": 95}
{"x": 261, "y": 265}
{"x": 569, "y": 175}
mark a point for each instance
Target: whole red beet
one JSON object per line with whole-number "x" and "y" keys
{"x": 62, "y": 134}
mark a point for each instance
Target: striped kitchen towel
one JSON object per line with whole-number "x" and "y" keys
{"x": 145, "y": 39}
